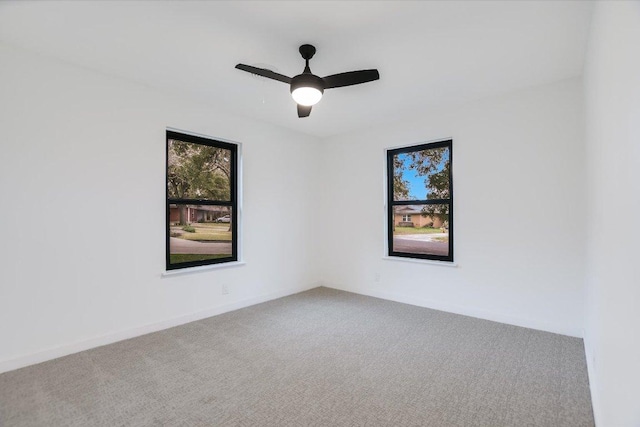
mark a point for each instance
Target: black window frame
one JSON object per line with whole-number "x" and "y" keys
{"x": 391, "y": 203}
{"x": 231, "y": 203}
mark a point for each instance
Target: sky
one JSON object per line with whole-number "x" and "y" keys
{"x": 417, "y": 186}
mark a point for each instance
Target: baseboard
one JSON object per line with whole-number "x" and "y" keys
{"x": 465, "y": 311}
{"x": 592, "y": 381}
{"x": 67, "y": 349}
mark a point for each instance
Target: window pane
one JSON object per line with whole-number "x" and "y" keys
{"x": 199, "y": 232}
{"x": 421, "y": 229}
{"x": 422, "y": 175}
{"x": 197, "y": 171}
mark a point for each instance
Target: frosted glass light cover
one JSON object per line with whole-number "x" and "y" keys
{"x": 306, "y": 96}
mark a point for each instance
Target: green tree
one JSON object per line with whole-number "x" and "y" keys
{"x": 400, "y": 186}
{"x": 197, "y": 172}
{"x": 435, "y": 165}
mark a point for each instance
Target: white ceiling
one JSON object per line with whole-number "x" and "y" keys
{"x": 430, "y": 54}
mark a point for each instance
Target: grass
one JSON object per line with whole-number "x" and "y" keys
{"x": 417, "y": 230}
{"x": 178, "y": 258}
{"x": 207, "y": 232}
{"x": 208, "y": 237}
{"x": 217, "y": 226}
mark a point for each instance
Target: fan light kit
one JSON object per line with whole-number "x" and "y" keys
{"x": 307, "y": 95}
{"x": 307, "y": 88}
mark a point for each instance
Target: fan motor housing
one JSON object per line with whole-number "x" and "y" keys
{"x": 307, "y": 80}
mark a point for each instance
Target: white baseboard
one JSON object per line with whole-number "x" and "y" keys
{"x": 75, "y": 347}
{"x": 465, "y": 311}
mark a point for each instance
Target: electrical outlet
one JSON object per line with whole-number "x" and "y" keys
{"x": 225, "y": 290}
{"x": 376, "y": 277}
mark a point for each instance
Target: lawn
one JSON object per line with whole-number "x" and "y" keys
{"x": 178, "y": 258}
{"x": 209, "y": 232}
{"x": 416, "y": 230}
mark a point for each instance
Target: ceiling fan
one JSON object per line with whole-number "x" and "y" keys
{"x": 307, "y": 88}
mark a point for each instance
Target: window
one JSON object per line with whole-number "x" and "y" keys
{"x": 202, "y": 226}
{"x": 420, "y": 201}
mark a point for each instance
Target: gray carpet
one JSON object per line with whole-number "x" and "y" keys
{"x": 319, "y": 358}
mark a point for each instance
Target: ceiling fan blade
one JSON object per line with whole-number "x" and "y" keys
{"x": 303, "y": 111}
{"x": 264, "y": 73}
{"x": 350, "y": 78}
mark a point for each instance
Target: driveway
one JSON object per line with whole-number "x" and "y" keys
{"x": 421, "y": 244}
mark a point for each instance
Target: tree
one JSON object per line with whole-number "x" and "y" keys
{"x": 197, "y": 171}
{"x": 435, "y": 165}
{"x": 400, "y": 185}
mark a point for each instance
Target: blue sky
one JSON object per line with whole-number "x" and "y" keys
{"x": 417, "y": 187}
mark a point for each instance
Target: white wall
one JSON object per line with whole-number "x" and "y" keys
{"x": 519, "y": 203}
{"x": 612, "y": 96}
{"x": 83, "y": 213}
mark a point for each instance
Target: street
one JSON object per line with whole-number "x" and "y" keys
{"x": 421, "y": 244}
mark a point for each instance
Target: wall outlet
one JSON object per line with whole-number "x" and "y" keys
{"x": 225, "y": 290}
{"x": 376, "y": 277}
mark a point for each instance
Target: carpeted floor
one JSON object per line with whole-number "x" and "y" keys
{"x": 319, "y": 358}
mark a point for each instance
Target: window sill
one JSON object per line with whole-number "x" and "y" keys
{"x": 191, "y": 270}
{"x": 421, "y": 261}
